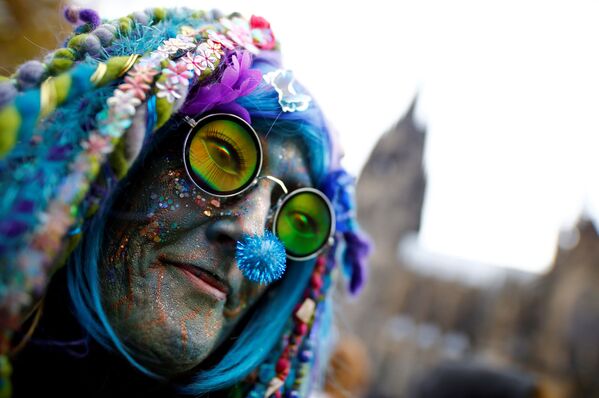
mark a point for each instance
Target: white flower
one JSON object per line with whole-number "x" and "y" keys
{"x": 214, "y": 47}
{"x": 169, "y": 91}
{"x": 173, "y": 45}
{"x": 200, "y": 61}
{"x": 124, "y": 101}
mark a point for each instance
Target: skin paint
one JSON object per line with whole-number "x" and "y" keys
{"x": 162, "y": 228}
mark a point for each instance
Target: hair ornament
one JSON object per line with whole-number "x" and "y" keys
{"x": 290, "y": 101}
{"x": 152, "y": 87}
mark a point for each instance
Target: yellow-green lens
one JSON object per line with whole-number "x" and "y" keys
{"x": 223, "y": 155}
{"x": 304, "y": 223}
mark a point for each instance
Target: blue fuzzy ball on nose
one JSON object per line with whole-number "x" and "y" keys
{"x": 261, "y": 259}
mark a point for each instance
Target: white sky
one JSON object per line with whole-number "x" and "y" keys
{"x": 509, "y": 94}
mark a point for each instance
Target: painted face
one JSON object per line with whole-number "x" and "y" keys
{"x": 170, "y": 283}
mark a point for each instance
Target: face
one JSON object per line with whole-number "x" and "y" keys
{"x": 170, "y": 283}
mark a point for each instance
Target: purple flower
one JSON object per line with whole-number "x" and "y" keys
{"x": 236, "y": 80}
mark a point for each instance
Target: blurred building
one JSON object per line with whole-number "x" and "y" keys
{"x": 413, "y": 316}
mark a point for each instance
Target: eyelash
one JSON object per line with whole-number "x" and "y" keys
{"x": 213, "y": 133}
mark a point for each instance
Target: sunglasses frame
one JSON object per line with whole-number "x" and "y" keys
{"x": 288, "y": 196}
{"x": 253, "y": 181}
{"x": 197, "y": 124}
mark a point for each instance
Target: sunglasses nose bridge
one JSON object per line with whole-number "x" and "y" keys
{"x": 257, "y": 208}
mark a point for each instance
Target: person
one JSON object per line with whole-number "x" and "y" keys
{"x": 173, "y": 213}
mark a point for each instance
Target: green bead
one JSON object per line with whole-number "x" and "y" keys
{"x": 159, "y": 14}
{"x": 77, "y": 42}
{"x": 125, "y": 24}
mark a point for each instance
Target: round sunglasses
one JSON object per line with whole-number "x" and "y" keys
{"x": 223, "y": 157}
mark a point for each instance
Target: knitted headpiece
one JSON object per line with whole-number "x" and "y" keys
{"x": 89, "y": 109}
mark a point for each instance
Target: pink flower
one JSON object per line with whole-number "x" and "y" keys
{"x": 169, "y": 91}
{"x": 97, "y": 144}
{"x": 137, "y": 85}
{"x": 145, "y": 71}
{"x": 177, "y": 73}
{"x": 200, "y": 61}
{"x": 220, "y": 39}
{"x": 213, "y": 47}
{"x": 238, "y": 30}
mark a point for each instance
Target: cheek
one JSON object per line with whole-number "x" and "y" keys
{"x": 174, "y": 204}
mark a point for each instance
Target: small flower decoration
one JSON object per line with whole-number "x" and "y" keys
{"x": 169, "y": 91}
{"x": 261, "y": 33}
{"x": 144, "y": 71}
{"x": 58, "y": 218}
{"x": 136, "y": 85}
{"x": 97, "y": 144}
{"x": 283, "y": 83}
{"x": 220, "y": 39}
{"x": 177, "y": 73}
{"x": 200, "y": 61}
{"x": 213, "y": 47}
{"x": 238, "y": 30}
{"x": 173, "y": 45}
{"x": 124, "y": 101}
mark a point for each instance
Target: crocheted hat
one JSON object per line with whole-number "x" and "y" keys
{"x": 88, "y": 110}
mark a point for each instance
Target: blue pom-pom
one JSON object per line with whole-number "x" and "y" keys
{"x": 261, "y": 259}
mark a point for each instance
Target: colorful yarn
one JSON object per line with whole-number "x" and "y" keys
{"x": 78, "y": 16}
{"x": 30, "y": 74}
{"x": 7, "y": 92}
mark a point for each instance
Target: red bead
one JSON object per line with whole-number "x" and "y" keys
{"x": 316, "y": 282}
{"x": 282, "y": 365}
{"x": 301, "y": 328}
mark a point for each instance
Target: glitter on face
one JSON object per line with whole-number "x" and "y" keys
{"x": 148, "y": 299}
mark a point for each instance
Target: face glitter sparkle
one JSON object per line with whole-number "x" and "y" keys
{"x": 182, "y": 260}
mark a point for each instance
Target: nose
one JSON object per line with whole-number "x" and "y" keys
{"x": 251, "y": 216}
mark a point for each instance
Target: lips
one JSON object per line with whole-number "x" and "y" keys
{"x": 204, "y": 280}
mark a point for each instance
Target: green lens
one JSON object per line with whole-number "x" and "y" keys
{"x": 304, "y": 223}
{"x": 223, "y": 155}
